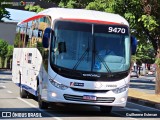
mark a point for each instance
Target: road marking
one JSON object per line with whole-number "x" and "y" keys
{"x": 9, "y": 91}
{"x": 145, "y": 106}
{"x": 57, "y": 118}
{"x": 30, "y": 104}
{"x": 27, "y": 102}
{"x": 3, "y": 86}
{"x": 3, "y": 77}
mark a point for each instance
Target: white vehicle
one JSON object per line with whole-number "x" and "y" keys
{"x": 57, "y": 58}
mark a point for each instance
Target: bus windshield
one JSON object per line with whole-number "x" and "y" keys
{"x": 90, "y": 47}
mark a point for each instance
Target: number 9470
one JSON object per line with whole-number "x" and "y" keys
{"x": 116, "y": 30}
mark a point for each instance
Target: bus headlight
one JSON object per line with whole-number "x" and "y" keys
{"x": 120, "y": 89}
{"x": 58, "y": 85}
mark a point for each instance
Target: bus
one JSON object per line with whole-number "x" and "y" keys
{"x": 60, "y": 57}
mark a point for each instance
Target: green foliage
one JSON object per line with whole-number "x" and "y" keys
{"x": 3, "y": 11}
{"x": 158, "y": 62}
{"x": 145, "y": 53}
{"x": 6, "y": 52}
{"x": 131, "y": 18}
{"x": 3, "y": 48}
{"x": 3, "y": 51}
{"x": 9, "y": 51}
{"x": 73, "y": 3}
{"x": 101, "y": 5}
{"x": 149, "y": 22}
{"x": 35, "y": 8}
{"x": 40, "y": 47}
{"x": 17, "y": 41}
{"x": 68, "y": 4}
{"x": 133, "y": 58}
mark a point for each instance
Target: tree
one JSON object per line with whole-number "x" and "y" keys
{"x": 101, "y": 5}
{"x": 9, "y": 51}
{"x": 35, "y": 8}
{"x": 145, "y": 53}
{"x": 3, "y": 11}
{"x": 71, "y": 3}
{"x": 9, "y": 55}
{"x": 3, "y": 51}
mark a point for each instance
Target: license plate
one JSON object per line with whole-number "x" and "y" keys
{"x": 89, "y": 97}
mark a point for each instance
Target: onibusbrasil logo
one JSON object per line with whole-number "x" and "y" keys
{"x": 21, "y": 114}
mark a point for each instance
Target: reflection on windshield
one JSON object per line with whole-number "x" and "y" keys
{"x": 87, "y": 51}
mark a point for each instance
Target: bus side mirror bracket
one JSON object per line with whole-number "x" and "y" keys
{"x": 133, "y": 45}
{"x": 46, "y": 37}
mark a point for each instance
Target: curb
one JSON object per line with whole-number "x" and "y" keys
{"x": 5, "y": 69}
{"x": 144, "y": 102}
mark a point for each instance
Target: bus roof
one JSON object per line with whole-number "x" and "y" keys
{"x": 79, "y": 14}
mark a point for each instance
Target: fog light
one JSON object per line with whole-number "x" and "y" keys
{"x": 123, "y": 99}
{"x": 54, "y": 94}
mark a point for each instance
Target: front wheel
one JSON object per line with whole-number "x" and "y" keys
{"x": 106, "y": 109}
{"x": 41, "y": 103}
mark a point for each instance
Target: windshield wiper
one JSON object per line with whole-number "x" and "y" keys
{"x": 103, "y": 62}
{"x": 81, "y": 58}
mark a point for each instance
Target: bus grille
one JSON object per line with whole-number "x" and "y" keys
{"x": 87, "y": 90}
{"x": 80, "y": 99}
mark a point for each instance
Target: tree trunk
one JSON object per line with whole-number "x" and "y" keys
{"x": 157, "y": 89}
{"x": 3, "y": 62}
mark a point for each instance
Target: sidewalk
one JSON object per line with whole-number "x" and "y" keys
{"x": 142, "y": 91}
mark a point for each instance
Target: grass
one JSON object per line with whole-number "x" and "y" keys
{"x": 144, "y": 96}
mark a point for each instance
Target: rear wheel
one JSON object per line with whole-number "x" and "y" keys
{"x": 41, "y": 103}
{"x": 23, "y": 93}
{"x": 106, "y": 109}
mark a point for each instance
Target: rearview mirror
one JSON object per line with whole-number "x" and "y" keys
{"x": 133, "y": 45}
{"x": 46, "y": 37}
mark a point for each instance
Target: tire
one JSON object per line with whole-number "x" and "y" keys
{"x": 23, "y": 93}
{"x": 41, "y": 103}
{"x": 30, "y": 96}
{"x": 106, "y": 109}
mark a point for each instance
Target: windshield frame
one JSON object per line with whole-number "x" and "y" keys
{"x": 57, "y": 68}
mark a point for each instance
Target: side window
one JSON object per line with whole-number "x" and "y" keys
{"x": 34, "y": 33}
{"x": 24, "y": 34}
{"x": 28, "y": 35}
{"x": 40, "y": 31}
{"x": 43, "y": 24}
{"x": 17, "y": 40}
{"x": 20, "y": 36}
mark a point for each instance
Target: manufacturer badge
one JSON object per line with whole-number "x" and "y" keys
{"x": 76, "y": 84}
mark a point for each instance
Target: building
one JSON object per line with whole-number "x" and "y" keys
{"x": 8, "y": 31}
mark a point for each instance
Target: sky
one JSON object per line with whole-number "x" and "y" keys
{"x": 18, "y": 15}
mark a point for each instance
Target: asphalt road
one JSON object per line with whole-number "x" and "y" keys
{"x": 144, "y": 83}
{"x": 11, "y": 105}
